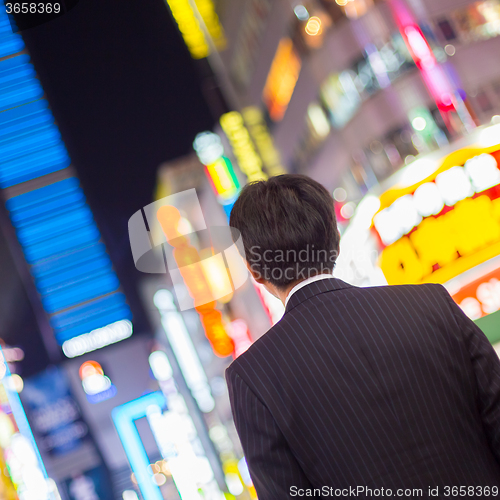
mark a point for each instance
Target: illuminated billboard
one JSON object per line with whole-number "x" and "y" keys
{"x": 61, "y": 243}
{"x": 444, "y": 225}
{"x": 438, "y": 222}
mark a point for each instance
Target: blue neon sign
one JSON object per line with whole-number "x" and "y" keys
{"x": 60, "y": 240}
{"x": 124, "y": 418}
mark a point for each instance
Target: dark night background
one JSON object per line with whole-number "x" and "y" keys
{"x": 127, "y": 97}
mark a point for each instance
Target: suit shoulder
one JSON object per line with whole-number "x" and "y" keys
{"x": 421, "y": 289}
{"x": 257, "y": 350}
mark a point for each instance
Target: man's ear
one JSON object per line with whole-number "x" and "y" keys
{"x": 256, "y": 276}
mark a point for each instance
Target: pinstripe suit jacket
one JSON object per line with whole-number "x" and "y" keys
{"x": 389, "y": 387}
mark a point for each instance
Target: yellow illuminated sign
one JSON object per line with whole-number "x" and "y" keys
{"x": 257, "y": 127}
{"x": 444, "y": 225}
{"x": 463, "y": 238}
{"x": 456, "y": 158}
{"x": 281, "y": 79}
{"x": 249, "y": 161}
{"x": 207, "y": 12}
{"x": 191, "y": 31}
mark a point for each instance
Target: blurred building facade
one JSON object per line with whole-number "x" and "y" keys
{"x": 343, "y": 92}
{"x": 75, "y": 294}
{"x": 377, "y": 99}
{"x": 350, "y": 92}
{"x": 360, "y": 95}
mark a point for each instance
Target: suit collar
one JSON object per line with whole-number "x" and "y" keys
{"x": 315, "y": 288}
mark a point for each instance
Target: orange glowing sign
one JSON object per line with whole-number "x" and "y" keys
{"x": 90, "y": 368}
{"x": 281, "y": 79}
{"x": 444, "y": 225}
{"x": 188, "y": 259}
{"x": 480, "y": 297}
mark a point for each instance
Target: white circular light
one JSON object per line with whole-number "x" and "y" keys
{"x": 130, "y": 495}
{"x": 490, "y": 136}
{"x": 159, "y": 479}
{"x": 419, "y": 123}
{"x": 409, "y": 159}
{"x": 208, "y": 147}
{"x": 454, "y": 185}
{"x": 233, "y": 483}
{"x": 160, "y": 366}
{"x": 301, "y": 13}
{"x": 450, "y": 49}
{"x": 405, "y": 214}
{"x": 347, "y": 211}
{"x": 340, "y": 194}
{"x": 471, "y": 307}
{"x": 17, "y": 383}
{"x": 387, "y": 226}
{"x": 428, "y": 200}
{"x": 313, "y": 26}
{"x": 163, "y": 299}
{"x": 483, "y": 172}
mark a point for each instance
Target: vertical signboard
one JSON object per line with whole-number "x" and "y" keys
{"x": 71, "y": 270}
{"x": 53, "y": 413}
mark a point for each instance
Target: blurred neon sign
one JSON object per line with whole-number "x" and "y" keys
{"x": 191, "y": 31}
{"x": 219, "y": 170}
{"x": 124, "y": 418}
{"x": 184, "y": 350}
{"x": 224, "y": 180}
{"x": 97, "y": 386}
{"x": 20, "y": 452}
{"x": 249, "y": 161}
{"x": 176, "y": 436}
{"x": 254, "y": 120}
{"x": 187, "y": 258}
{"x": 72, "y": 272}
{"x": 481, "y": 297}
{"x": 281, "y": 80}
{"x": 421, "y": 52}
{"x": 445, "y": 224}
{"x": 100, "y": 337}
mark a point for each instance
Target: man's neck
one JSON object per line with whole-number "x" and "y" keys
{"x": 290, "y": 290}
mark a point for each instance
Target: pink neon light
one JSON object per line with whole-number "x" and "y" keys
{"x": 432, "y": 73}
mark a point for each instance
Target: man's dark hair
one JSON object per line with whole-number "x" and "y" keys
{"x": 288, "y": 227}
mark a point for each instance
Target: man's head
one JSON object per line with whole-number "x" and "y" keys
{"x": 288, "y": 228}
